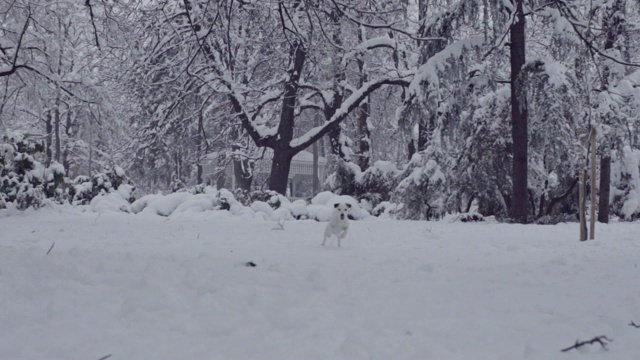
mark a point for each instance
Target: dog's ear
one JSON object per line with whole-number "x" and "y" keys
{"x": 336, "y": 205}
{"x": 349, "y": 205}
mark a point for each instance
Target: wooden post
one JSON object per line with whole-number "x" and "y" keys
{"x": 592, "y": 212}
{"x": 581, "y": 202}
{"x": 316, "y": 180}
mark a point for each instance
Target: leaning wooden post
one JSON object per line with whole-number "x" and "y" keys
{"x": 581, "y": 200}
{"x": 592, "y": 213}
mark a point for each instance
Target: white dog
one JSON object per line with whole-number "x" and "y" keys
{"x": 339, "y": 223}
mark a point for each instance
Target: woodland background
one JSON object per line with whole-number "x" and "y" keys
{"x": 435, "y": 106}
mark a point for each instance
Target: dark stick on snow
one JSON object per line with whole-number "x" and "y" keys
{"x": 105, "y": 357}
{"x": 634, "y": 325}
{"x": 602, "y": 340}
{"x": 51, "y": 248}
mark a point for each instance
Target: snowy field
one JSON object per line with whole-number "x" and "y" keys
{"x": 150, "y": 287}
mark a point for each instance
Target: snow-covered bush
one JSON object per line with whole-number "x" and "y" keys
{"x": 84, "y": 188}
{"x": 625, "y": 181}
{"x": 374, "y": 185}
{"x": 23, "y": 179}
{"x": 422, "y": 190}
{"x": 377, "y": 183}
{"x": 344, "y": 179}
{"x": 557, "y": 219}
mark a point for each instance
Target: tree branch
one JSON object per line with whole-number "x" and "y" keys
{"x": 348, "y": 105}
{"x": 95, "y": 29}
{"x": 602, "y": 340}
{"x": 14, "y": 65}
{"x": 562, "y": 7}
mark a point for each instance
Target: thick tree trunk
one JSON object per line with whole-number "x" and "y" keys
{"x": 364, "y": 143}
{"x": 243, "y": 173}
{"x": 282, "y": 153}
{"x": 280, "y": 170}
{"x": 334, "y": 141}
{"x": 411, "y": 149}
{"x": 519, "y": 119}
{"x": 56, "y": 129}
{"x": 603, "y": 200}
{"x": 613, "y": 29}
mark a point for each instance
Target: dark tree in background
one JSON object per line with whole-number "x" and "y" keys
{"x": 519, "y": 115}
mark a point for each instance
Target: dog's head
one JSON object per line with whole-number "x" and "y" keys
{"x": 342, "y": 209}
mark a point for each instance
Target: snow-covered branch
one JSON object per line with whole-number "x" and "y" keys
{"x": 348, "y": 105}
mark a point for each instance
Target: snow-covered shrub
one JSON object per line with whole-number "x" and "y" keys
{"x": 344, "y": 180}
{"x": 625, "y": 181}
{"x": 373, "y": 185}
{"x": 377, "y": 183}
{"x": 385, "y": 208}
{"x": 470, "y": 217}
{"x": 110, "y": 202}
{"x": 247, "y": 198}
{"x": 557, "y": 219}
{"x": 84, "y": 188}
{"x": 422, "y": 190}
{"x": 23, "y": 179}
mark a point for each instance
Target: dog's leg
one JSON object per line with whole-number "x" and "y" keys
{"x": 325, "y": 238}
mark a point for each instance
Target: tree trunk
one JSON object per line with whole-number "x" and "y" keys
{"x": 603, "y": 200}
{"x": 334, "y": 142}
{"x": 49, "y": 137}
{"x": 519, "y": 118}
{"x": 364, "y": 156}
{"x": 412, "y": 149}
{"x": 280, "y": 170}
{"x": 56, "y": 130}
{"x": 200, "y": 149}
{"x": 613, "y": 29}
{"x": 243, "y": 173}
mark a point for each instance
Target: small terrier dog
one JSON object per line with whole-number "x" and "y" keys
{"x": 339, "y": 223}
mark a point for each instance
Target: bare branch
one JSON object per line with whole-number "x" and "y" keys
{"x": 602, "y": 340}
{"x": 390, "y": 26}
{"x": 93, "y": 22}
{"x": 14, "y": 65}
{"x": 565, "y": 10}
{"x": 348, "y": 105}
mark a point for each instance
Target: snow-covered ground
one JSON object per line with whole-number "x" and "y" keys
{"x": 149, "y": 287}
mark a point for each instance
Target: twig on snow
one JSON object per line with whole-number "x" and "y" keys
{"x": 634, "y": 325}
{"x": 602, "y": 340}
{"x": 51, "y": 248}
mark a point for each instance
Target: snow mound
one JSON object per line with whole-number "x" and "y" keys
{"x": 322, "y": 198}
{"x": 109, "y": 202}
{"x": 197, "y": 203}
{"x": 165, "y": 205}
